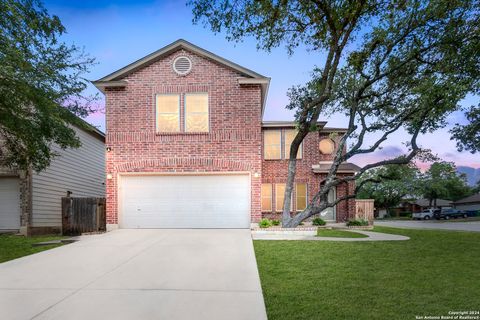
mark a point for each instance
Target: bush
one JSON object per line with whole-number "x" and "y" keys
{"x": 318, "y": 222}
{"x": 406, "y": 214}
{"x": 265, "y": 223}
{"x": 276, "y": 222}
{"x": 357, "y": 223}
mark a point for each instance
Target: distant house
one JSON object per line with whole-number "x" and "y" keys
{"x": 421, "y": 204}
{"x": 30, "y": 202}
{"x": 411, "y": 206}
{"x": 469, "y": 203}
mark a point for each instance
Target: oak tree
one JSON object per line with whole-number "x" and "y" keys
{"x": 388, "y": 66}
{"x": 41, "y": 86}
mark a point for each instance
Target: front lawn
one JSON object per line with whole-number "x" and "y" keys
{"x": 433, "y": 273}
{"x": 334, "y": 233}
{"x": 13, "y": 247}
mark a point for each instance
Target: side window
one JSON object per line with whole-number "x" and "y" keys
{"x": 168, "y": 112}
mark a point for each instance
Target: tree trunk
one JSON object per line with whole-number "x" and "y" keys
{"x": 287, "y": 201}
{"x": 292, "y": 167}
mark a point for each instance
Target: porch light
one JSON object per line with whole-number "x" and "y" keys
{"x": 109, "y": 176}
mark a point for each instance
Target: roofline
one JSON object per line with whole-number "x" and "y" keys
{"x": 175, "y": 46}
{"x": 466, "y": 202}
{"x": 287, "y": 124}
{"x": 91, "y": 129}
{"x": 101, "y": 85}
{"x": 332, "y": 129}
{"x": 113, "y": 79}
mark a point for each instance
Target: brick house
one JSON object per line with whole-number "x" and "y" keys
{"x": 187, "y": 148}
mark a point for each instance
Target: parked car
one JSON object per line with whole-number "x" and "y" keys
{"x": 450, "y": 213}
{"x": 426, "y": 214}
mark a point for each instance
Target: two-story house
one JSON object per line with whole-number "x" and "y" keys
{"x": 187, "y": 148}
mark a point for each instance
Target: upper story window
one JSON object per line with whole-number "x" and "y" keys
{"x": 326, "y": 146}
{"x": 276, "y": 144}
{"x": 193, "y": 107}
{"x": 272, "y": 144}
{"x": 196, "y": 112}
{"x": 168, "y": 113}
{"x": 289, "y": 136}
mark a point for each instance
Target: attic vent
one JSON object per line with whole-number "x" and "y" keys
{"x": 182, "y": 65}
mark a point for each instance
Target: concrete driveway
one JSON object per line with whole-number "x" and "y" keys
{"x": 432, "y": 224}
{"x": 137, "y": 274}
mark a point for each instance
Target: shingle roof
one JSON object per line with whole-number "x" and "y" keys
{"x": 426, "y": 202}
{"x": 475, "y": 198}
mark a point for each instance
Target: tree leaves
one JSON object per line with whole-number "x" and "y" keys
{"x": 40, "y": 85}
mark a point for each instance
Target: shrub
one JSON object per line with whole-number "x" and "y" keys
{"x": 276, "y": 222}
{"x": 318, "y": 222}
{"x": 265, "y": 223}
{"x": 357, "y": 223}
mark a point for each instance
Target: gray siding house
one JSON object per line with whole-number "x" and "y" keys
{"x": 30, "y": 202}
{"x": 469, "y": 203}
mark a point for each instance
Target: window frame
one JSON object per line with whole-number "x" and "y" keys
{"x": 270, "y": 197}
{"x": 157, "y": 129}
{"x": 286, "y": 151}
{"x": 305, "y": 196}
{"x": 185, "y": 111}
{"x": 280, "y": 144}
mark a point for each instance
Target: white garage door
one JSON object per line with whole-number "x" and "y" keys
{"x": 9, "y": 204}
{"x": 185, "y": 201}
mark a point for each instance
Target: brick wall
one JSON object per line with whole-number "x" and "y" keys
{"x": 233, "y": 143}
{"x": 276, "y": 171}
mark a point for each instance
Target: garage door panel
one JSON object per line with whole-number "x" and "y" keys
{"x": 185, "y": 201}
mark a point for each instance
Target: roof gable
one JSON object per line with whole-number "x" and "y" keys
{"x": 249, "y": 77}
{"x": 171, "y": 48}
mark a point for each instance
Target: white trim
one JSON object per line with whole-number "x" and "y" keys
{"x": 253, "y": 81}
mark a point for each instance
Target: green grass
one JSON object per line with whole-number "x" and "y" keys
{"x": 13, "y": 247}
{"x": 431, "y": 274}
{"x": 339, "y": 234}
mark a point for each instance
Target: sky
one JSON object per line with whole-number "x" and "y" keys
{"x": 117, "y": 33}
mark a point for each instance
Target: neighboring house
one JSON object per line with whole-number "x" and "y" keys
{"x": 469, "y": 203}
{"x": 410, "y": 206}
{"x": 187, "y": 148}
{"x": 30, "y": 202}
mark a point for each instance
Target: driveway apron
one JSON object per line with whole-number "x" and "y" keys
{"x": 138, "y": 274}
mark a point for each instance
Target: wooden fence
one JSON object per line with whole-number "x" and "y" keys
{"x": 81, "y": 215}
{"x": 364, "y": 209}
